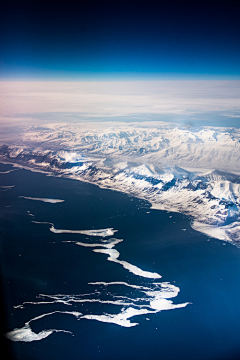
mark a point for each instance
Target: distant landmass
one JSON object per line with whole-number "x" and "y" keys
{"x": 175, "y": 168}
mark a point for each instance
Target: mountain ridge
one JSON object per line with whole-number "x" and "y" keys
{"x": 211, "y": 199}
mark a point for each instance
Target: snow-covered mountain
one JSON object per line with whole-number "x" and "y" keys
{"x": 155, "y": 164}
{"x": 154, "y": 143}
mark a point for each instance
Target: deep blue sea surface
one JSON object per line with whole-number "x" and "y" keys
{"x": 78, "y": 283}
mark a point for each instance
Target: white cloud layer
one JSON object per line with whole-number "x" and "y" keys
{"x": 118, "y": 98}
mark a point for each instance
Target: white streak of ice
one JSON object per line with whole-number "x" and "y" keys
{"x": 154, "y": 298}
{"x": 113, "y": 256}
{"x": 119, "y": 319}
{"x": 26, "y": 334}
{"x": 6, "y": 188}
{"x": 109, "y": 245}
{"x": 7, "y": 172}
{"x": 46, "y": 200}
{"x": 99, "y": 232}
{"x": 120, "y": 283}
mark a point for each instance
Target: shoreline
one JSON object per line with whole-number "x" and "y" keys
{"x": 219, "y": 232}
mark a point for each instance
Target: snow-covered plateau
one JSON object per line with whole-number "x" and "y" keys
{"x": 195, "y": 172}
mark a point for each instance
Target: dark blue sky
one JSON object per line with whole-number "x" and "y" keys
{"x": 66, "y": 39}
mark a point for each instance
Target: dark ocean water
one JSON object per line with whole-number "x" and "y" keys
{"x": 37, "y": 261}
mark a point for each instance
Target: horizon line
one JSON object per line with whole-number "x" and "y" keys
{"x": 124, "y": 77}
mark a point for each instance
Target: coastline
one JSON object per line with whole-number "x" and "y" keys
{"x": 218, "y": 231}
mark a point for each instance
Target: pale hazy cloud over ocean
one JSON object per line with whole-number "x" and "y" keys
{"x": 25, "y": 102}
{"x": 119, "y": 97}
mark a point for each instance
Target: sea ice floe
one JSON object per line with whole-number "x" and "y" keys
{"x": 108, "y": 250}
{"x": 26, "y": 334}
{"x": 109, "y": 245}
{"x": 30, "y": 214}
{"x": 130, "y": 300}
{"x": 7, "y": 172}
{"x": 7, "y": 187}
{"x": 113, "y": 256}
{"x": 100, "y": 232}
{"x": 121, "y": 319}
{"x": 144, "y": 300}
{"x": 119, "y": 283}
{"x": 95, "y": 232}
{"x": 46, "y": 200}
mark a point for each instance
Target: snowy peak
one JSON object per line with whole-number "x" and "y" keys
{"x": 171, "y": 167}
{"x": 155, "y": 143}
